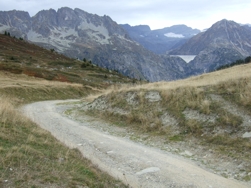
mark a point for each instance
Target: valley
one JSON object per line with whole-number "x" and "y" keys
{"x": 78, "y": 34}
{"x": 180, "y": 122}
{"x": 134, "y": 51}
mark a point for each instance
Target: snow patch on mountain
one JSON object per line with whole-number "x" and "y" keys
{"x": 174, "y": 35}
{"x": 64, "y": 32}
{"x": 36, "y": 37}
{"x": 100, "y": 32}
{"x": 4, "y": 27}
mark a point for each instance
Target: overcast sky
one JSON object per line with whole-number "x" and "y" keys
{"x": 157, "y": 14}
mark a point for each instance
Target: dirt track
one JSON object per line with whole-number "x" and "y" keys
{"x": 133, "y": 163}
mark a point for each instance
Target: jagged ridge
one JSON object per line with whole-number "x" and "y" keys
{"x": 79, "y": 34}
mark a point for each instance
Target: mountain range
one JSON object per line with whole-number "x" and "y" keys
{"x": 135, "y": 51}
{"x": 79, "y": 34}
{"x": 161, "y": 40}
{"x": 225, "y": 42}
{"x": 225, "y": 34}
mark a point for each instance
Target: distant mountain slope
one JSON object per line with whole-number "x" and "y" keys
{"x": 161, "y": 40}
{"x": 79, "y": 34}
{"x": 222, "y": 44}
{"x": 210, "y": 59}
{"x": 248, "y": 27}
{"x": 21, "y": 57}
{"x": 226, "y": 34}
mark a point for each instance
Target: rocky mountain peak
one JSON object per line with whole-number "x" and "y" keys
{"x": 68, "y": 17}
{"x": 224, "y": 29}
{"x": 14, "y": 14}
{"x": 46, "y": 17}
{"x": 225, "y": 23}
{"x": 142, "y": 28}
{"x": 79, "y": 34}
{"x": 14, "y": 18}
{"x": 223, "y": 34}
{"x": 223, "y": 43}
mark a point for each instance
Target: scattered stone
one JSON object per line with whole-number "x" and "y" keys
{"x": 99, "y": 103}
{"x": 246, "y": 135}
{"x": 193, "y": 114}
{"x": 240, "y": 165}
{"x": 153, "y": 96}
{"x": 131, "y": 98}
{"x": 118, "y": 111}
{"x": 187, "y": 153}
{"x": 168, "y": 120}
{"x": 148, "y": 170}
{"x": 60, "y": 159}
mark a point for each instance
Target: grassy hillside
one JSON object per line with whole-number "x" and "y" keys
{"x": 30, "y": 156}
{"x": 211, "y": 111}
{"x": 21, "y": 57}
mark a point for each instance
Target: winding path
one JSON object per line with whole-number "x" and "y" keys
{"x": 133, "y": 163}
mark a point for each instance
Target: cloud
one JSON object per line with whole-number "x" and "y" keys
{"x": 174, "y": 35}
{"x": 156, "y": 13}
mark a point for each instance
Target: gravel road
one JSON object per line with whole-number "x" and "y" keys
{"x": 133, "y": 163}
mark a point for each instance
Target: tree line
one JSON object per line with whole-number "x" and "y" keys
{"x": 8, "y": 34}
{"x": 237, "y": 62}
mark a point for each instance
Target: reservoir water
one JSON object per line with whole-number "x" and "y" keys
{"x": 186, "y": 58}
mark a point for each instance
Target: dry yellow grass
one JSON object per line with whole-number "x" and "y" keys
{"x": 8, "y": 112}
{"x": 208, "y": 79}
{"x": 31, "y": 156}
{"x": 24, "y": 89}
{"x": 192, "y": 104}
{"x": 8, "y": 80}
{"x": 193, "y": 93}
{"x": 233, "y": 84}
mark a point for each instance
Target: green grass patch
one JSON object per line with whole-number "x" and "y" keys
{"x": 176, "y": 138}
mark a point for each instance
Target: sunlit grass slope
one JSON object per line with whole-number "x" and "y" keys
{"x": 21, "y": 57}
{"x": 31, "y": 156}
{"x": 212, "y": 109}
